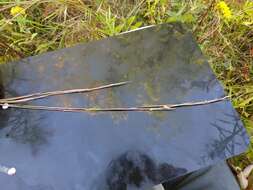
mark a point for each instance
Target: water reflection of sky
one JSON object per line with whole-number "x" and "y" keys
{"x": 165, "y": 66}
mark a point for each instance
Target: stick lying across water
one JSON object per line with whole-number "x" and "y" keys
{"x": 40, "y": 95}
{"x": 148, "y": 108}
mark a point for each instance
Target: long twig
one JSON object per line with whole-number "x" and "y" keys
{"x": 40, "y": 95}
{"x": 149, "y": 108}
{"x": 187, "y": 103}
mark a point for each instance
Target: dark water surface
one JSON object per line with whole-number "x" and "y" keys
{"x": 116, "y": 150}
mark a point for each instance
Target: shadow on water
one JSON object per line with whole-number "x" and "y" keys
{"x": 136, "y": 170}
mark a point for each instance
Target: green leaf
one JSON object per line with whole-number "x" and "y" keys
{"x": 136, "y": 25}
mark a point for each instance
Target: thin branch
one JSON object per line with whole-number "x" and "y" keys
{"x": 72, "y": 109}
{"x": 150, "y": 108}
{"x": 40, "y": 95}
{"x": 199, "y": 103}
{"x": 187, "y": 103}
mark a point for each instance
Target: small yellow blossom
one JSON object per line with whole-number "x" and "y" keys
{"x": 224, "y": 9}
{"x": 17, "y": 10}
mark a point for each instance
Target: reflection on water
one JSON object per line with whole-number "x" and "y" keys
{"x": 135, "y": 169}
{"x": 3, "y": 115}
{"x": 206, "y": 85}
{"x": 22, "y": 126}
{"x": 15, "y": 182}
{"x": 165, "y": 66}
{"x": 26, "y": 127}
{"x": 230, "y": 134}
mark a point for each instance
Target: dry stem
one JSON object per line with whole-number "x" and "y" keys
{"x": 40, "y": 95}
{"x": 149, "y": 108}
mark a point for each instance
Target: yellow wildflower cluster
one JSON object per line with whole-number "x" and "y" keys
{"x": 17, "y": 10}
{"x": 224, "y": 10}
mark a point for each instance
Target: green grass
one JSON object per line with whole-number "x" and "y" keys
{"x": 228, "y": 43}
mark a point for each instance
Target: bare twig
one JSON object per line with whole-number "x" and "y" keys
{"x": 40, "y": 95}
{"x": 187, "y": 103}
{"x": 199, "y": 103}
{"x": 149, "y": 108}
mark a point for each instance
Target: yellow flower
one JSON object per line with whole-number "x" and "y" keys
{"x": 224, "y": 9}
{"x": 17, "y": 10}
